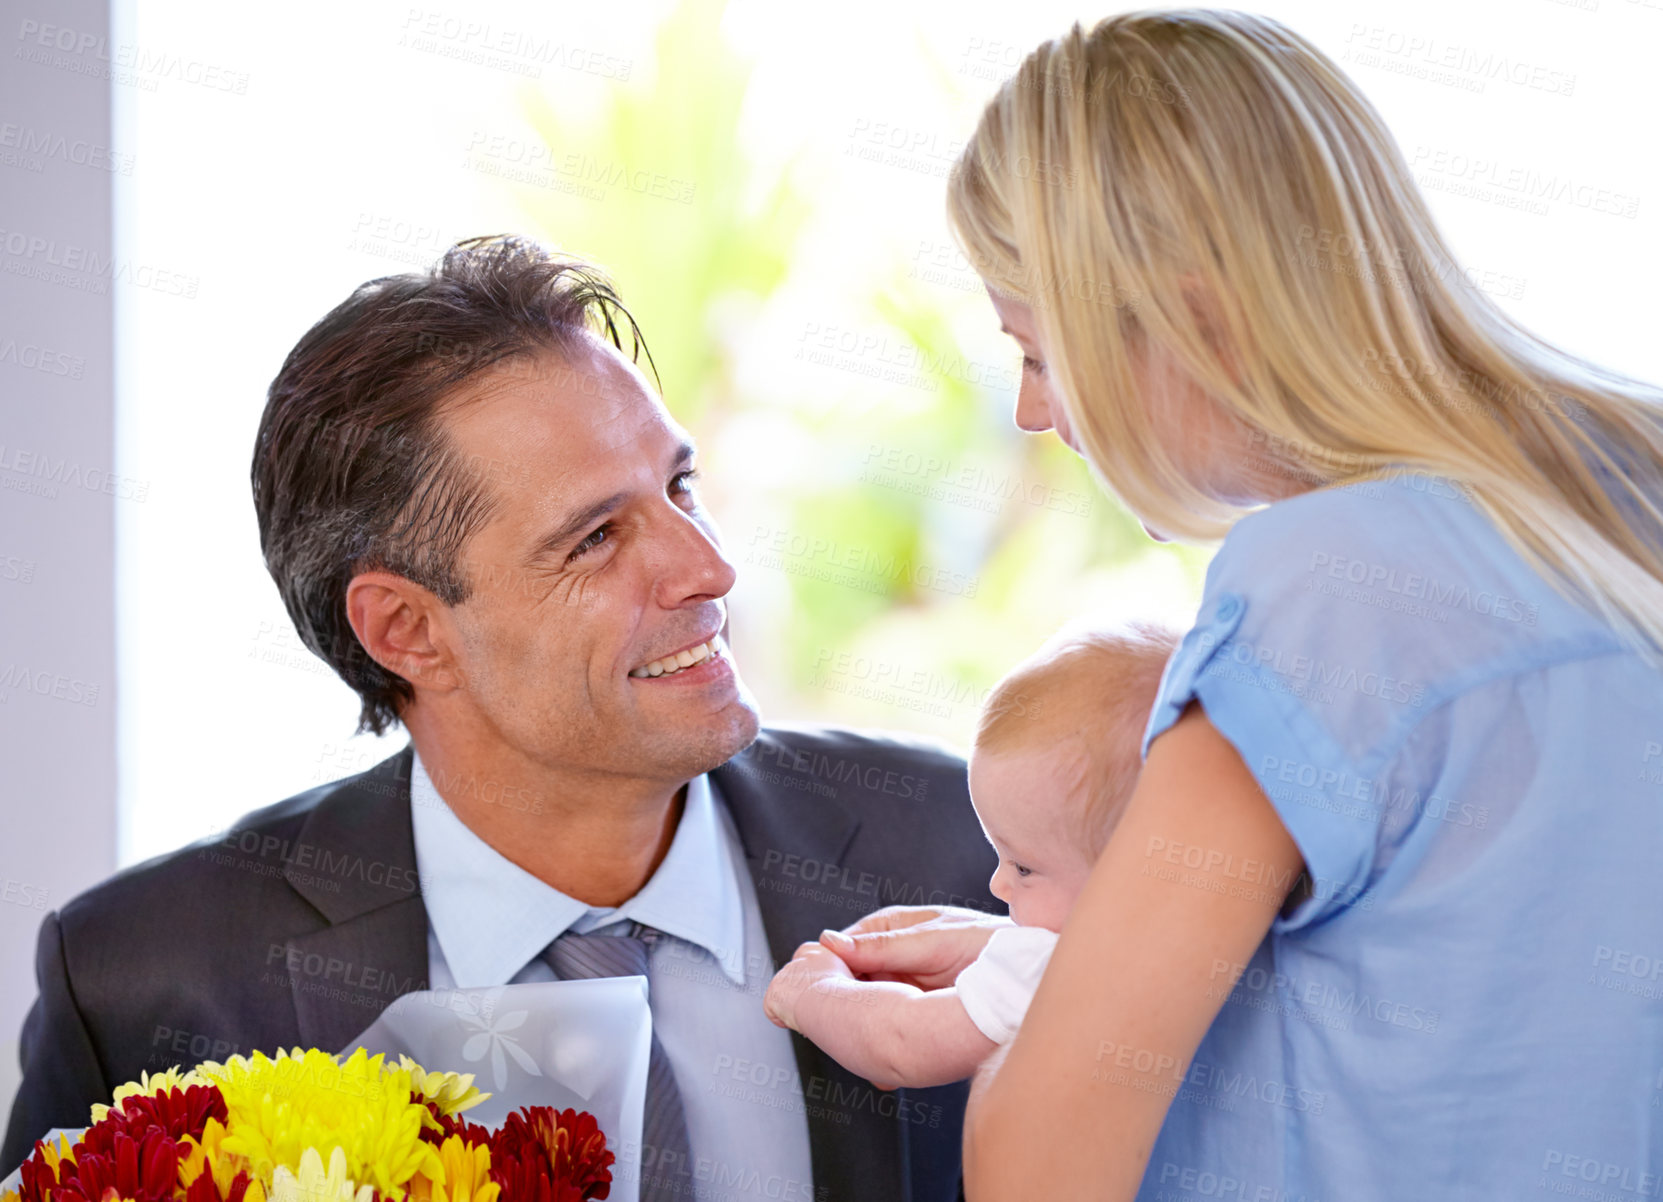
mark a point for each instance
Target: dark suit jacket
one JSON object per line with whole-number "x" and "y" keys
{"x": 305, "y": 920}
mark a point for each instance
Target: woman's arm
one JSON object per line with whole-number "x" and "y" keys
{"x": 1073, "y": 1110}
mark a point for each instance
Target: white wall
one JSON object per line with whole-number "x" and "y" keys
{"x": 60, "y": 486}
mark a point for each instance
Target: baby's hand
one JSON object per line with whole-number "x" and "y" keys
{"x": 811, "y": 964}
{"x": 891, "y": 1033}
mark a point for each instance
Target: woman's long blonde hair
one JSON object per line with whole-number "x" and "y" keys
{"x": 1197, "y": 179}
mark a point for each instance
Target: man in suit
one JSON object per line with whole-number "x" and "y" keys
{"x": 480, "y": 514}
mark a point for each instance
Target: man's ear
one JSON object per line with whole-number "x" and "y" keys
{"x": 400, "y": 625}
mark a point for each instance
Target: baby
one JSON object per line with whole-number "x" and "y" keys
{"x": 1055, "y": 759}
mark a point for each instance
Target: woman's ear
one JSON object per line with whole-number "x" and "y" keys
{"x": 401, "y": 626}
{"x": 1208, "y": 311}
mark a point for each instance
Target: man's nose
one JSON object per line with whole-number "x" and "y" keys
{"x": 695, "y": 568}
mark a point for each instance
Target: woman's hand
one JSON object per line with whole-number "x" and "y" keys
{"x": 925, "y": 946}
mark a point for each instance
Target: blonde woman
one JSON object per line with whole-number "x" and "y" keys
{"x": 1382, "y": 919}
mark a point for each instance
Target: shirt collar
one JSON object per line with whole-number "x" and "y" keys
{"x": 491, "y": 917}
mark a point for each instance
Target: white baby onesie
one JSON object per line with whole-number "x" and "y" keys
{"x": 997, "y": 985}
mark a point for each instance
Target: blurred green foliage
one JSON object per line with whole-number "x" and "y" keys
{"x": 699, "y": 234}
{"x": 935, "y": 578}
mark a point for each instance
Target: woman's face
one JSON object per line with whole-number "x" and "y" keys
{"x": 1038, "y": 408}
{"x": 1209, "y": 448}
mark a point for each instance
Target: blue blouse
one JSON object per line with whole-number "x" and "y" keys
{"x": 1466, "y": 1000}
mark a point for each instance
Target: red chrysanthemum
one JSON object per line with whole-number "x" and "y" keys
{"x": 145, "y": 1170}
{"x": 176, "y": 1113}
{"x": 38, "y": 1178}
{"x": 203, "y": 1189}
{"x": 449, "y": 1125}
{"x": 134, "y": 1150}
{"x": 540, "y": 1154}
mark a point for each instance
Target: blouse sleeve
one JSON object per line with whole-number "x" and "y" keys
{"x": 1338, "y": 632}
{"x": 1316, "y": 687}
{"x": 1322, "y": 798}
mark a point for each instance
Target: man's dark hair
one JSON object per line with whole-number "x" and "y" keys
{"x": 352, "y": 471}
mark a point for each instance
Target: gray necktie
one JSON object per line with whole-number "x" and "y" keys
{"x": 666, "y": 1162}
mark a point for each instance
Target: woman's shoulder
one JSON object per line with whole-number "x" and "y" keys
{"x": 1398, "y": 496}
{"x": 1345, "y": 635}
{"x": 1350, "y": 613}
{"x": 1338, "y": 531}
{"x": 1408, "y": 557}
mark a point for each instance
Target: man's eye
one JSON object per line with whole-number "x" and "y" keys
{"x": 683, "y": 482}
{"x": 590, "y": 542}
{"x": 1029, "y": 363}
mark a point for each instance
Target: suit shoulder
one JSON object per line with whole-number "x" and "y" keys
{"x": 866, "y": 771}
{"x": 196, "y": 871}
{"x": 918, "y": 835}
{"x": 916, "y": 751}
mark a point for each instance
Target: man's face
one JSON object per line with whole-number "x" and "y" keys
{"x": 596, "y": 568}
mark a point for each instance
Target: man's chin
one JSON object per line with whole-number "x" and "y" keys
{"x": 687, "y": 753}
{"x": 747, "y": 725}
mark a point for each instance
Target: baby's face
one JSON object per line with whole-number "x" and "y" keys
{"x": 1025, "y": 801}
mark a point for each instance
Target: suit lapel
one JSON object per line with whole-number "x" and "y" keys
{"x": 855, "y": 1132}
{"x": 355, "y": 862}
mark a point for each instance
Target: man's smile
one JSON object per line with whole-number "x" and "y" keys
{"x": 681, "y": 661}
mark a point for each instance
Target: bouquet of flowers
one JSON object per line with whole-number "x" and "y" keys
{"x": 306, "y": 1126}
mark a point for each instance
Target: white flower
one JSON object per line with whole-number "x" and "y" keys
{"x": 315, "y": 1184}
{"x": 449, "y": 1091}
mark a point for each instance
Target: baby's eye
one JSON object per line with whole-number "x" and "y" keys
{"x": 1021, "y": 871}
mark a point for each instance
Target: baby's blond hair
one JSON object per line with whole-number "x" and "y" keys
{"x": 1084, "y": 697}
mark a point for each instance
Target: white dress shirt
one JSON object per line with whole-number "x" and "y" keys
{"x": 488, "y": 920}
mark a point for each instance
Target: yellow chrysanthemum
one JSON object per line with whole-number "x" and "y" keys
{"x": 147, "y": 1085}
{"x": 54, "y": 1155}
{"x": 208, "y": 1153}
{"x": 314, "y": 1183}
{"x": 278, "y": 1107}
{"x": 451, "y": 1092}
{"x": 467, "y": 1175}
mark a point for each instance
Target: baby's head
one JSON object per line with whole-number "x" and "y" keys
{"x": 1056, "y": 757}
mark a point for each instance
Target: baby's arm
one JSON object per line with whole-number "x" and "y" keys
{"x": 892, "y": 1034}
{"x": 895, "y": 1035}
